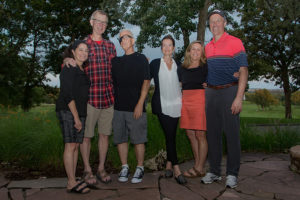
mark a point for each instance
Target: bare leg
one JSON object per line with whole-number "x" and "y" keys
{"x": 123, "y": 152}
{"x": 202, "y": 150}
{"x": 75, "y": 158}
{"x": 194, "y": 144}
{"x": 169, "y": 165}
{"x": 69, "y": 163}
{"x": 85, "y": 149}
{"x": 177, "y": 171}
{"x": 139, "y": 153}
{"x": 102, "y": 147}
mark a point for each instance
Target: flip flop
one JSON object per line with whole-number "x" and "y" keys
{"x": 76, "y": 189}
{"x": 102, "y": 177}
{"x": 88, "y": 177}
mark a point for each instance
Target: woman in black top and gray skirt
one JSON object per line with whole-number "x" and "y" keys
{"x": 166, "y": 102}
{"x": 71, "y": 111}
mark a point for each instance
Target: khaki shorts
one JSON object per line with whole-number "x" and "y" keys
{"x": 101, "y": 116}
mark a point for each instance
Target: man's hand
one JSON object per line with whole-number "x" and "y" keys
{"x": 236, "y": 106}
{"x": 69, "y": 62}
{"x": 138, "y": 111}
{"x": 78, "y": 124}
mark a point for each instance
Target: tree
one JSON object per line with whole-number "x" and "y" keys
{"x": 179, "y": 17}
{"x": 33, "y": 36}
{"x": 270, "y": 32}
{"x": 262, "y": 98}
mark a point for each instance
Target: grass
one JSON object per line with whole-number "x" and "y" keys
{"x": 33, "y": 140}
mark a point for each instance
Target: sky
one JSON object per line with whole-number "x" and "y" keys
{"x": 153, "y": 53}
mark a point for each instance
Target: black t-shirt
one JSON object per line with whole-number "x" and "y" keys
{"x": 74, "y": 85}
{"x": 129, "y": 73}
{"x": 193, "y": 78}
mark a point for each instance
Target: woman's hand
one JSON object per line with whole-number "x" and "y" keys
{"x": 77, "y": 124}
{"x": 236, "y": 75}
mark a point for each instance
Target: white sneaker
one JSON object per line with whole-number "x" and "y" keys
{"x": 124, "y": 174}
{"x": 231, "y": 181}
{"x": 210, "y": 177}
{"x": 138, "y": 175}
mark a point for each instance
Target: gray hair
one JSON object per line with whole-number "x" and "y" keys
{"x": 129, "y": 31}
{"x": 101, "y": 12}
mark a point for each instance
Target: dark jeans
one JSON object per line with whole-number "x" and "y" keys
{"x": 219, "y": 119}
{"x": 169, "y": 126}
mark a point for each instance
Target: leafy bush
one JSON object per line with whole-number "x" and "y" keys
{"x": 262, "y": 98}
{"x": 296, "y": 98}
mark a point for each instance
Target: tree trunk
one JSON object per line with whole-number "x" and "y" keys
{"x": 287, "y": 92}
{"x": 186, "y": 38}
{"x": 202, "y": 18}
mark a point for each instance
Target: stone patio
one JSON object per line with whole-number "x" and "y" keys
{"x": 262, "y": 176}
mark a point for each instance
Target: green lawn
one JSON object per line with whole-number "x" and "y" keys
{"x": 33, "y": 140}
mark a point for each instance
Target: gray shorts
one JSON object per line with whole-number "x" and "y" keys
{"x": 124, "y": 125}
{"x": 69, "y": 132}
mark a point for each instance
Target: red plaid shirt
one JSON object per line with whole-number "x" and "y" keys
{"x": 99, "y": 72}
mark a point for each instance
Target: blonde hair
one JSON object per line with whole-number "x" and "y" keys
{"x": 101, "y": 12}
{"x": 187, "y": 56}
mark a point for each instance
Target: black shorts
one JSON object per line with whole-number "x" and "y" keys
{"x": 69, "y": 132}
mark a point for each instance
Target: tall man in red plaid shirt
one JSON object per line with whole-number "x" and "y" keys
{"x": 101, "y": 100}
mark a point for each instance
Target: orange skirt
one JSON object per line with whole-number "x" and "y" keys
{"x": 193, "y": 110}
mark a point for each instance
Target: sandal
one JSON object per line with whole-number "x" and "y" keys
{"x": 168, "y": 173}
{"x": 89, "y": 179}
{"x": 180, "y": 179}
{"x": 200, "y": 174}
{"x": 190, "y": 174}
{"x": 83, "y": 190}
{"x": 102, "y": 176}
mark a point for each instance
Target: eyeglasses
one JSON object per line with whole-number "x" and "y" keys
{"x": 97, "y": 21}
{"x": 124, "y": 36}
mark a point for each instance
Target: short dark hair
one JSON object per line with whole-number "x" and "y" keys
{"x": 169, "y": 37}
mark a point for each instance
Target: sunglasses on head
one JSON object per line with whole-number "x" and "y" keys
{"x": 124, "y": 36}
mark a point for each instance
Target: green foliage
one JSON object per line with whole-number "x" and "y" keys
{"x": 262, "y": 98}
{"x": 269, "y": 30}
{"x": 178, "y": 17}
{"x": 33, "y": 36}
{"x": 33, "y": 140}
{"x": 296, "y": 98}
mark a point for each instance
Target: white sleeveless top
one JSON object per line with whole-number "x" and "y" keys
{"x": 170, "y": 90}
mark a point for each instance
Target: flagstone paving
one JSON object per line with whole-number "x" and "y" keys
{"x": 262, "y": 176}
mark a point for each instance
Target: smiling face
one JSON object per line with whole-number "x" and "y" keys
{"x": 99, "y": 23}
{"x": 167, "y": 47}
{"x": 217, "y": 25}
{"x": 195, "y": 52}
{"x": 127, "y": 41}
{"x": 81, "y": 53}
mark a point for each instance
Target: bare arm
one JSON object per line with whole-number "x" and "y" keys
{"x": 74, "y": 112}
{"x": 236, "y": 106}
{"x": 138, "y": 110}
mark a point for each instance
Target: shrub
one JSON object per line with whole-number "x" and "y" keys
{"x": 263, "y": 98}
{"x": 296, "y": 98}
